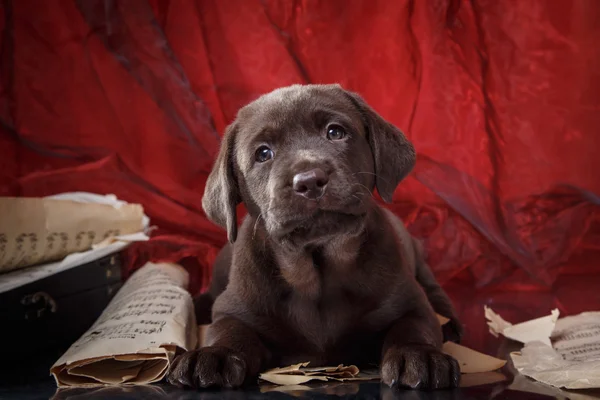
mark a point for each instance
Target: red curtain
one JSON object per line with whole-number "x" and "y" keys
{"x": 500, "y": 97}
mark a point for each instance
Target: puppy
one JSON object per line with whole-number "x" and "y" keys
{"x": 317, "y": 271}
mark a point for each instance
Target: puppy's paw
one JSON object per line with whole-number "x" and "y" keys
{"x": 453, "y": 331}
{"x": 208, "y": 367}
{"x": 419, "y": 367}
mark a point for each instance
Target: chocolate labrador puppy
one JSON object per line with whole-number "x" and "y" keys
{"x": 317, "y": 271}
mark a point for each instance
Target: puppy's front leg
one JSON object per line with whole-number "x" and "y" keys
{"x": 412, "y": 356}
{"x": 234, "y": 356}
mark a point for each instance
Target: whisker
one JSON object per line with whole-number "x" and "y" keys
{"x": 255, "y": 225}
{"x": 364, "y": 172}
{"x": 358, "y": 198}
{"x": 371, "y": 173}
{"x": 368, "y": 190}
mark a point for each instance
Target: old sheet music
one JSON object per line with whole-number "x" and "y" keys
{"x": 24, "y": 276}
{"x": 564, "y": 353}
{"x": 40, "y": 230}
{"x": 135, "y": 338}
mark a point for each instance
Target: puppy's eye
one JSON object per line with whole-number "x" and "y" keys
{"x": 263, "y": 153}
{"x": 335, "y": 132}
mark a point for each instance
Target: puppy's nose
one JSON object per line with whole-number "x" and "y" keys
{"x": 311, "y": 184}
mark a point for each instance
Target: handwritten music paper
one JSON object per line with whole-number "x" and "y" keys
{"x": 135, "y": 339}
{"x": 41, "y": 230}
{"x": 561, "y": 352}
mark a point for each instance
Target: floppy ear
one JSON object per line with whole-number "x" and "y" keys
{"x": 221, "y": 195}
{"x": 393, "y": 154}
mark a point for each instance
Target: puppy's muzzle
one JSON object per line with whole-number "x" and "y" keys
{"x": 311, "y": 184}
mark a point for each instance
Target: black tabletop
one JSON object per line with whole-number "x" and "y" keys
{"x": 28, "y": 378}
{"x": 364, "y": 390}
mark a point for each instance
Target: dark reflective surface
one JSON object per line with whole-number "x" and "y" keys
{"x": 497, "y": 385}
{"x": 347, "y": 390}
{"x": 494, "y": 385}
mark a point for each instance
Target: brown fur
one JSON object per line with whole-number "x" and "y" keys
{"x": 333, "y": 279}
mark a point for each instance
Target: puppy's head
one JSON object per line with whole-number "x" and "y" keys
{"x": 305, "y": 158}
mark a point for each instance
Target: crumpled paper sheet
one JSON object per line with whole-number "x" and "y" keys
{"x": 538, "y": 329}
{"x": 301, "y": 373}
{"x": 135, "y": 339}
{"x": 471, "y": 361}
{"x": 521, "y": 383}
{"x": 41, "y": 230}
{"x": 564, "y": 353}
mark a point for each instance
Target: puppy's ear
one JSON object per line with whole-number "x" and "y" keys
{"x": 393, "y": 154}
{"x": 221, "y": 195}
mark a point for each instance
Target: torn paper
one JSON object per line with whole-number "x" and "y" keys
{"x": 522, "y": 383}
{"x": 41, "y": 230}
{"x": 301, "y": 373}
{"x": 471, "y": 361}
{"x": 546, "y": 365}
{"x": 569, "y": 354}
{"x": 538, "y": 329}
{"x": 93, "y": 198}
{"x": 442, "y": 320}
{"x": 135, "y": 338}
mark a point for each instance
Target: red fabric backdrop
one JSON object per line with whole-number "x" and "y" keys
{"x": 501, "y": 99}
